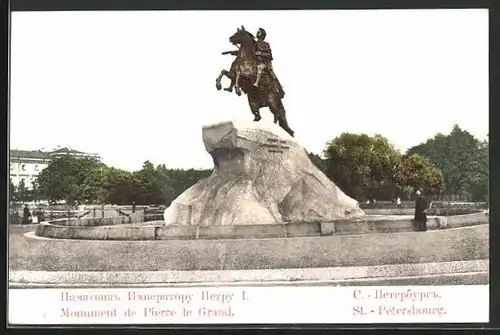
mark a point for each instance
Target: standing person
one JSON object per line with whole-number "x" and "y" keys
{"x": 398, "y": 202}
{"x": 34, "y": 216}
{"x": 26, "y": 215}
{"x": 133, "y": 206}
{"x": 421, "y": 212}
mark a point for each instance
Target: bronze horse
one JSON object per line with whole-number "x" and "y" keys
{"x": 243, "y": 73}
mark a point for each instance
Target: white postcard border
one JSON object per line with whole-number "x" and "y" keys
{"x": 250, "y": 305}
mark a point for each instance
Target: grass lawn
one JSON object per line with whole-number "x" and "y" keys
{"x": 371, "y": 249}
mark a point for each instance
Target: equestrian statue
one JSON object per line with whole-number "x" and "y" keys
{"x": 252, "y": 73}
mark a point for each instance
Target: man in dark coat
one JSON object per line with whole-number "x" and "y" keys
{"x": 26, "y": 215}
{"x": 421, "y": 212}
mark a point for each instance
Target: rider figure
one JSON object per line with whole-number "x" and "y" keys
{"x": 264, "y": 61}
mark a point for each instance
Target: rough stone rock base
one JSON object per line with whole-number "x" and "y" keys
{"x": 261, "y": 176}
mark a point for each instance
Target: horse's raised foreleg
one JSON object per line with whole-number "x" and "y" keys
{"x": 223, "y": 73}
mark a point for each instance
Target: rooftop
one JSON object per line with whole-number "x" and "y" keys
{"x": 68, "y": 151}
{"x": 38, "y": 154}
{"x": 29, "y": 154}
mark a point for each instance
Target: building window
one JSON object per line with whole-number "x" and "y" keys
{"x": 23, "y": 167}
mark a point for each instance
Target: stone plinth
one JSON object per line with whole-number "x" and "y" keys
{"x": 261, "y": 176}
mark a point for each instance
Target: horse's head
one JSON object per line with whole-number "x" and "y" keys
{"x": 242, "y": 37}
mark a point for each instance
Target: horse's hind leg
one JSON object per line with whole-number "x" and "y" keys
{"x": 230, "y": 87}
{"x": 254, "y": 108}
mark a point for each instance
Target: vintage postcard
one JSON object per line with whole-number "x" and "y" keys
{"x": 249, "y": 167}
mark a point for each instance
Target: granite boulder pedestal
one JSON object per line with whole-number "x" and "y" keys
{"x": 261, "y": 176}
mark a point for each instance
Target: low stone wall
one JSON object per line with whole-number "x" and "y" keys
{"x": 435, "y": 204}
{"x": 14, "y": 219}
{"x": 463, "y": 220}
{"x": 95, "y": 222}
{"x": 157, "y": 231}
{"x": 431, "y": 211}
{"x": 124, "y": 233}
{"x": 402, "y": 224}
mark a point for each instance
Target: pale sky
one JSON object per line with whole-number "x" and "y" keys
{"x": 135, "y": 86}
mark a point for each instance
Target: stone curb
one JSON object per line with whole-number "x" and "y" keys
{"x": 157, "y": 231}
{"x": 256, "y": 276}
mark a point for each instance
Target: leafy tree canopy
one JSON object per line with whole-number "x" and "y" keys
{"x": 462, "y": 158}
{"x": 366, "y": 166}
{"x": 72, "y": 179}
{"x": 362, "y": 165}
{"x": 86, "y": 180}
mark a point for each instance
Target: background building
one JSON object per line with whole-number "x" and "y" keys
{"x": 26, "y": 165}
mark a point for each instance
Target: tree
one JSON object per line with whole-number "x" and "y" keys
{"x": 363, "y": 166}
{"x": 176, "y": 181}
{"x": 480, "y": 189}
{"x": 319, "y": 162}
{"x": 12, "y": 191}
{"x": 72, "y": 179}
{"x": 418, "y": 172}
{"x": 147, "y": 185}
{"x": 160, "y": 185}
{"x": 462, "y": 158}
{"x": 117, "y": 187}
{"x": 36, "y": 192}
{"x": 87, "y": 180}
{"x": 23, "y": 193}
